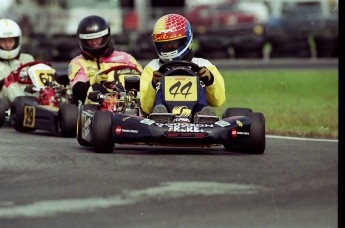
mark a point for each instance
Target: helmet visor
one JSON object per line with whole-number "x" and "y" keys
{"x": 169, "y": 46}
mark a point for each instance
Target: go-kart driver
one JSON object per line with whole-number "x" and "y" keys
{"x": 10, "y": 59}
{"x": 172, "y": 37}
{"x": 97, "y": 54}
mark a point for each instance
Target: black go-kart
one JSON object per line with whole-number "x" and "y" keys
{"x": 118, "y": 96}
{"x": 239, "y": 129}
{"x": 50, "y": 108}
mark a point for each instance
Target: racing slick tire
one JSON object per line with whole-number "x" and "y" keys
{"x": 2, "y": 113}
{"x": 236, "y": 112}
{"x": 67, "y": 117}
{"x": 102, "y": 132}
{"x": 18, "y": 113}
{"x": 80, "y": 140}
{"x": 257, "y": 135}
{"x": 256, "y": 143}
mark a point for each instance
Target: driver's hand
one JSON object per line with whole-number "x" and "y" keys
{"x": 156, "y": 77}
{"x": 205, "y": 76}
{"x": 98, "y": 78}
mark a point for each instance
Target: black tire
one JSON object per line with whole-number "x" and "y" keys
{"x": 248, "y": 46}
{"x": 102, "y": 132}
{"x": 67, "y": 116}
{"x": 236, "y": 112}
{"x": 2, "y": 113}
{"x": 17, "y": 112}
{"x": 257, "y": 141}
{"x": 80, "y": 140}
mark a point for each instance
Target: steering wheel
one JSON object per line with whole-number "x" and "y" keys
{"x": 178, "y": 63}
{"x": 16, "y": 73}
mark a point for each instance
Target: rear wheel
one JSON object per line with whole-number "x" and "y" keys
{"x": 68, "y": 120}
{"x": 18, "y": 113}
{"x": 80, "y": 139}
{"x": 236, "y": 112}
{"x": 102, "y": 132}
{"x": 2, "y": 113}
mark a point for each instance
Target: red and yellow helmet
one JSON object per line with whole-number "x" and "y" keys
{"x": 172, "y": 37}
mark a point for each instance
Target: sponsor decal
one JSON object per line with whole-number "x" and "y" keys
{"x": 222, "y": 123}
{"x": 118, "y": 130}
{"x": 234, "y": 132}
{"x": 86, "y": 125}
{"x": 29, "y": 116}
{"x": 181, "y": 111}
{"x": 194, "y": 135}
{"x": 129, "y": 131}
{"x": 184, "y": 125}
{"x": 87, "y": 121}
{"x": 181, "y": 120}
{"x": 147, "y": 121}
{"x": 127, "y": 71}
{"x": 185, "y": 129}
{"x": 86, "y": 132}
{"x": 239, "y": 123}
{"x": 169, "y": 36}
{"x": 117, "y": 58}
{"x": 126, "y": 118}
{"x": 242, "y": 133}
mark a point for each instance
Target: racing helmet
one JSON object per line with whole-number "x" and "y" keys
{"x": 92, "y": 27}
{"x": 10, "y": 29}
{"x": 172, "y": 37}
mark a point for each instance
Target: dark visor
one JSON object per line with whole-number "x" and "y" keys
{"x": 170, "y": 46}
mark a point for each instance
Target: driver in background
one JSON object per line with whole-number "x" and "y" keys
{"x": 10, "y": 59}
{"x": 97, "y": 54}
{"x": 173, "y": 39}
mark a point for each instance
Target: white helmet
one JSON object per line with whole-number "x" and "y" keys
{"x": 8, "y": 29}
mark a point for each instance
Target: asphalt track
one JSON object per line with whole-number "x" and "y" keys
{"x": 48, "y": 181}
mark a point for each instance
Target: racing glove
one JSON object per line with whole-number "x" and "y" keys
{"x": 206, "y": 76}
{"x": 156, "y": 77}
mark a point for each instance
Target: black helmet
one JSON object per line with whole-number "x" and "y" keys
{"x": 93, "y": 27}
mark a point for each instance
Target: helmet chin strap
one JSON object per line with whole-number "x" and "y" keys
{"x": 169, "y": 56}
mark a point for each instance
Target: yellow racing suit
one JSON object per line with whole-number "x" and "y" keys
{"x": 82, "y": 70}
{"x": 215, "y": 93}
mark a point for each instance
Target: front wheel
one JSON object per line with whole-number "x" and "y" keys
{"x": 255, "y": 143}
{"x": 257, "y": 134}
{"x": 102, "y": 132}
{"x": 68, "y": 120}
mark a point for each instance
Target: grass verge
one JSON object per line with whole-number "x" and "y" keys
{"x": 295, "y": 102}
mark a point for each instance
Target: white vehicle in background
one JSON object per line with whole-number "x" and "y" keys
{"x": 53, "y": 17}
{"x": 49, "y": 27}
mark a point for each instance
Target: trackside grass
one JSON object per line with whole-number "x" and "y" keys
{"x": 295, "y": 102}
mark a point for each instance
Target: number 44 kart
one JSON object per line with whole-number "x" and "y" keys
{"x": 239, "y": 129}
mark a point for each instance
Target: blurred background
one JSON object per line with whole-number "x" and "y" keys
{"x": 235, "y": 29}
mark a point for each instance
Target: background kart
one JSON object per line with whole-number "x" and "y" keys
{"x": 239, "y": 129}
{"x": 52, "y": 109}
{"x": 122, "y": 96}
